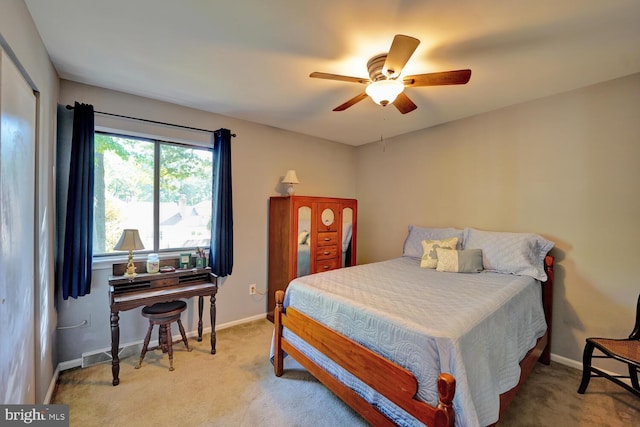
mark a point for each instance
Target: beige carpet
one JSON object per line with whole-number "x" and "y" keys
{"x": 236, "y": 387}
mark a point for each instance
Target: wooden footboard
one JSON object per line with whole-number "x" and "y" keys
{"x": 365, "y": 365}
{"x": 391, "y": 380}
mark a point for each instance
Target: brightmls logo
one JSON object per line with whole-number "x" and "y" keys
{"x": 37, "y": 415}
{"x": 25, "y": 416}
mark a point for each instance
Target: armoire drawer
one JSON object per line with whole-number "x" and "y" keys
{"x": 326, "y": 252}
{"x": 327, "y": 238}
{"x": 326, "y": 265}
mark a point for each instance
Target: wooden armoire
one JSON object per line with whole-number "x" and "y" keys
{"x": 308, "y": 235}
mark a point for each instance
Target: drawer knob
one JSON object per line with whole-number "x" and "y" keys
{"x": 326, "y": 239}
{"x": 326, "y": 267}
{"x": 327, "y": 252}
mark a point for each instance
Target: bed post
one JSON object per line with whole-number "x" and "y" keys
{"x": 446, "y": 390}
{"x": 547, "y": 304}
{"x": 278, "y": 356}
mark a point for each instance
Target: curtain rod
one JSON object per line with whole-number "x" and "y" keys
{"x": 70, "y": 107}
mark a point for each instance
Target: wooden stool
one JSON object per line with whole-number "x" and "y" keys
{"x": 162, "y": 314}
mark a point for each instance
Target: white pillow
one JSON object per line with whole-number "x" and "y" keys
{"x": 511, "y": 253}
{"x": 413, "y": 243}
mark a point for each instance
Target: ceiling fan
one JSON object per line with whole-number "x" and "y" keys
{"x": 384, "y": 84}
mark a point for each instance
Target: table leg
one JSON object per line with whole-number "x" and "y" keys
{"x": 212, "y": 314}
{"x": 115, "y": 343}
{"x": 200, "y": 309}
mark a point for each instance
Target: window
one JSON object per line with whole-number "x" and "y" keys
{"x": 163, "y": 189}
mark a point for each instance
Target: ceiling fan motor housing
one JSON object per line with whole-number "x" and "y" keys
{"x": 374, "y": 66}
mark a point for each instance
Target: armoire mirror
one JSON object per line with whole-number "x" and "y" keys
{"x": 347, "y": 232}
{"x": 304, "y": 241}
{"x": 327, "y": 217}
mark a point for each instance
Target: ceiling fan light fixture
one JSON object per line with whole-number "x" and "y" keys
{"x": 384, "y": 92}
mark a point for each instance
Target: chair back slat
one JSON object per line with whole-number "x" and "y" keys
{"x": 635, "y": 335}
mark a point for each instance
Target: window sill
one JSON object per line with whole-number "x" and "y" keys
{"x": 106, "y": 262}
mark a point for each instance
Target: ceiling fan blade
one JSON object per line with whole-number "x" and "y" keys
{"x": 404, "y": 104}
{"x": 351, "y": 102}
{"x": 329, "y": 76}
{"x": 401, "y": 50}
{"x": 457, "y": 77}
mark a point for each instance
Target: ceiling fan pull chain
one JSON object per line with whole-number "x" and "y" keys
{"x": 383, "y": 142}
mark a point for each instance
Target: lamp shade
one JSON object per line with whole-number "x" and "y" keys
{"x": 290, "y": 177}
{"x": 384, "y": 92}
{"x": 129, "y": 241}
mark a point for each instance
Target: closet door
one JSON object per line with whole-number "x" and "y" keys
{"x": 17, "y": 242}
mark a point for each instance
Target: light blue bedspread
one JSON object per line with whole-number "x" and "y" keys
{"x": 475, "y": 326}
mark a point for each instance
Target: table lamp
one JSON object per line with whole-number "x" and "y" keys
{"x": 290, "y": 178}
{"x": 129, "y": 241}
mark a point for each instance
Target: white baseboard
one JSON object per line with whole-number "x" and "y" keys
{"x": 567, "y": 362}
{"x": 70, "y": 364}
{"x": 52, "y": 386}
{"x": 578, "y": 365}
{"x": 105, "y": 353}
{"x": 240, "y": 322}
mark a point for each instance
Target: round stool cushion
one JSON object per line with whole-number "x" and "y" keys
{"x": 164, "y": 307}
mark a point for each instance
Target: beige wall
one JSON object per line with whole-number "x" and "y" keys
{"x": 260, "y": 157}
{"x": 566, "y": 167}
{"x": 20, "y": 37}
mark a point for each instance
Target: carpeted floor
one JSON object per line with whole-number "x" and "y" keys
{"x": 236, "y": 387}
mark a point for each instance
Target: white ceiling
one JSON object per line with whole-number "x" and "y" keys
{"x": 250, "y": 59}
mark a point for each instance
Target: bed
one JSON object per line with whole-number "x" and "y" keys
{"x": 409, "y": 342}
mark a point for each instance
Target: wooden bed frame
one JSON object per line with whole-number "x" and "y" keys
{"x": 389, "y": 379}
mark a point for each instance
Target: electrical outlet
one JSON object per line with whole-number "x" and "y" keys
{"x": 252, "y": 289}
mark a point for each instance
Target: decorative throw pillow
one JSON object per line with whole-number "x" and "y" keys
{"x": 429, "y": 255}
{"x": 413, "y": 243}
{"x": 467, "y": 261}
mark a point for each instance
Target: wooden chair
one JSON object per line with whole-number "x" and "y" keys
{"x": 163, "y": 314}
{"x": 623, "y": 350}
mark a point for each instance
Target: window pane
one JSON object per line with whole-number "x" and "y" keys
{"x": 124, "y": 193}
{"x": 185, "y": 197}
{"x": 123, "y": 190}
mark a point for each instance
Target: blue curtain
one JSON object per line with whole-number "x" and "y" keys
{"x": 78, "y": 235}
{"x": 221, "y": 250}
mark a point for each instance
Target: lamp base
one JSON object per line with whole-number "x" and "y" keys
{"x": 290, "y": 190}
{"x": 131, "y": 268}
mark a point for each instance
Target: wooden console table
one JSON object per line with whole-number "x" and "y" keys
{"x": 145, "y": 289}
